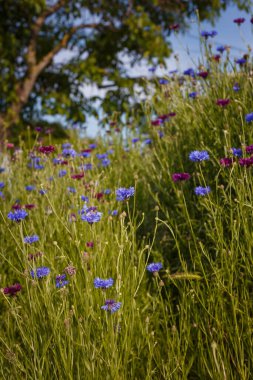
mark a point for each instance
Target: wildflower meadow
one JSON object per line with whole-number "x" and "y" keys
{"x": 130, "y": 256}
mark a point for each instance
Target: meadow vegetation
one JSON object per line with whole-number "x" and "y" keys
{"x": 180, "y": 197}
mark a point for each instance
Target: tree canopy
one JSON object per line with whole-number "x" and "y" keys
{"x": 97, "y": 37}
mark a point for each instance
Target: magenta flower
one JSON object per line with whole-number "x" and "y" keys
{"x": 222, "y": 102}
{"x": 226, "y": 161}
{"x": 177, "y": 177}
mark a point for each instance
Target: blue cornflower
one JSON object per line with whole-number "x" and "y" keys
{"x": 123, "y": 193}
{"x": 91, "y": 215}
{"x": 40, "y": 272}
{"x": 61, "y": 281}
{"x": 35, "y": 163}
{"x": 2, "y": 184}
{"x": 193, "y": 95}
{"x": 160, "y": 134}
{"x": 135, "y": 140}
{"x": 92, "y": 146}
{"x": 1, "y": 194}
{"x": 113, "y": 212}
{"x": 84, "y": 198}
{"x": 154, "y": 267}
{"x": 249, "y": 117}
{"x": 221, "y": 48}
{"x": 30, "y": 187}
{"x": 111, "y": 305}
{"x": 85, "y": 154}
{"x": 202, "y": 191}
{"x": 62, "y": 173}
{"x": 241, "y": 61}
{"x": 199, "y": 155}
{"x": 206, "y": 34}
{"x": 147, "y": 141}
{"x": 110, "y": 151}
{"x": 107, "y": 191}
{"x": 87, "y": 166}
{"x": 190, "y": 72}
{"x": 31, "y": 239}
{"x": 101, "y": 156}
{"x": 2, "y": 170}
{"x": 237, "y": 152}
{"x": 105, "y": 162}
{"x": 42, "y": 191}
{"x": 71, "y": 189}
{"x": 69, "y": 153}
{"x": 163, "y": 81}
{"x": 66, "y": 146}
{"x": 236, "y": 87}
{"x": 152, "y": 69}
{"x": 17, "y": 215}
{"x": 104, "y": 284}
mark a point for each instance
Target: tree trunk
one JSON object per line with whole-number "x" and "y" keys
{"x": 12, "y": 115}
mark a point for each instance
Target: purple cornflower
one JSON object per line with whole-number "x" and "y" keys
{"x": 42, "y": 191}
{"x": 87, "y": 166}
{"x": 91, "y": 215}
{"x": 107, "y": 191}
{"x": 163, "y": 81}
{"x": 12, "y": 290}
{"x": 249, "y": 149}
{"x": 199, "y": 155}
{"x": 111, "y": 305}
{"x": 2, "y": 170}
{"x": 85, "y": 154}
{"x": 135, "y": 140}
{"x": 40, "y": 272}
{"x": 84, "y": 198}
{"x": 113, "y": 212}
{"x": 176, "y": 177}
{"x": 17, "y": 216}
{"x": 61, "y": 281}
{"x": 123, "y": 193}
{"x": 237, "y": 152}
{"x": 154, "y": 267}
{"x": 105, "y": 162}
{"x": 249, "y": 117}
{"x": 246, "y": 161}
{"x": 104, "y": 284}
{"x": 226, "y": 161}
{"x": 2, "y": 184}
{"x": 147, "y": 141}
{"x": 101, "y": 156}
{"x": 31, "y": 239}
{"x": 202, "y": 191}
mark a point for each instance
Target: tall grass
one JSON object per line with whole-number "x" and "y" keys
{"x": 193, "y": 319}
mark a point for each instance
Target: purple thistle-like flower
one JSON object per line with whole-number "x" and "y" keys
{"x": 249, "y": 117}
{"x": 12, "y": 290}
{"x": 226, "y": 161}
{"x": 40, "y": 272}
{"x": 123, "y": 193}
{"x": 198, "y": 156}
{"x": 111, "y": 305}
{"x": 104, "y": 284}
{"x": 31, "y": 239}
{"x": 202, "y": 191}
{"x": 176, "y": 177}
{"x": 154, "y": 267}
{"x": 17, "y": 215}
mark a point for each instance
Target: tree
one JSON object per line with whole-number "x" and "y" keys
{"x": 98, "y": 35}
